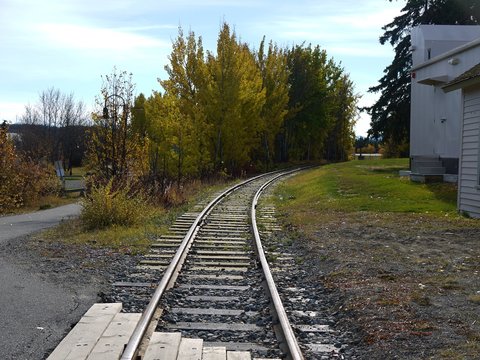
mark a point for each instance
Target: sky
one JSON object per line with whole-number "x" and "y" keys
{"x": 70, "y": 44}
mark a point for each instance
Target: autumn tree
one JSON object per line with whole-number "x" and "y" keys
{"x": 274, "y": 71}
{"x": 187, "y": 82}
{"x": 235, "y": 109}
{"x": 21, "y": 179}
{"x": 234, "y": 102}
{"x": 114, "y": 149}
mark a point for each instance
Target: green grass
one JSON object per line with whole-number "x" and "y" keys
{"x": 368, "y": 185}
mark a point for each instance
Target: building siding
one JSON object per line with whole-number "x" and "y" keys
{"x": 469, "y": 190}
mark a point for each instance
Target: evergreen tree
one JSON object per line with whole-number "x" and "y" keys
{"x": 391, "y": 112}
{"x": 308, "y": 120}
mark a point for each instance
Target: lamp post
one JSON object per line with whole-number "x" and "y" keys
{"x": 123, "y": 139}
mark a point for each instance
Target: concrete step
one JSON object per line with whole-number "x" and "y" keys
{"x": 422, "y": 178}
{"x": 450, "y": 178}
{"x": 430, "y": 170}
{"x": 430, "y": 163}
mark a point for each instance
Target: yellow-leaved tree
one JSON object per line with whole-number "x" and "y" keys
{"x": 235, "y": 100}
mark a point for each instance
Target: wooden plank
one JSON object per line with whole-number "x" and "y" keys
{"x": 220, "y": 263}
{"x": 215, "y": 287}
{"x": 221, "y": 241}
{"x": 212, "y": 311}
{"x": 150, "y": 267}
{"x": 219, "y": 252}
{"x": 473, "y": 151}
{"x": 157, "y": 255}
{"x": 190, "y": 349}
{"x": 212, "y": 298}
{"x": 220, "y": 257}
{"x": 115, "y": 337}
{"x": 313, "y": 328}
{"x": 215, "y": 269}
{"x": 163, "y": 346}
{"x": 213, "y": 277}
{"x": 238, "y": 355}
{"x": 82, "y": 338}
{"x": 133, "y": 284}
{"x": 214, "y": 353}
{"x": 323, "y": 348}
{"x": 213, "y": 246}
{"x": 158, "y": 262}
{"x": 238, "y": 346}
{"x": 470, "y": 127}
{"x": 214, "y": 326}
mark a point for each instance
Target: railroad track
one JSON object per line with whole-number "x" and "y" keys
{"x": 217, "y": 294}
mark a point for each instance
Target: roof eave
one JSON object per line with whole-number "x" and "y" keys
{"x": 461, "y": 84}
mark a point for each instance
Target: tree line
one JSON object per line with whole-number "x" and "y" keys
{"x": 232, "y": 111}
{"x": 52, "y": 129}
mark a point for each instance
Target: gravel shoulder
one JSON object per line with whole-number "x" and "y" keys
{"x": 408, "y": 285}
{"x": 46, "y": 288}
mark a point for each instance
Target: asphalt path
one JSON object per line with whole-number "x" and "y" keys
{"x": 24, "y": 224}
{"x": 35, "y": 312}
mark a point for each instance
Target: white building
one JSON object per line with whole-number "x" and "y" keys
{"x": 469, "y": 173}
{"x": 440, "y": 53}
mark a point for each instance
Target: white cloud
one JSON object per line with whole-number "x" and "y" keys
{"x": 11, "y": 110}
{"x": 70, "y": 36}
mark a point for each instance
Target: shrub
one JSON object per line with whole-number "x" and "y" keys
{"x": 21, "y": 180}
{"x": 106, "y": 206}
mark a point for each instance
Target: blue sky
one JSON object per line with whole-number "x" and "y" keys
{"x": 69, "y": 44}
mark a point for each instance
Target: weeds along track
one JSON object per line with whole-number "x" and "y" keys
{"x": 216, "y": 286}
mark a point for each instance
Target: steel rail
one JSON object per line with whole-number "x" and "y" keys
{"x": 288, "y": 335}
{"x": 147, "y": 315}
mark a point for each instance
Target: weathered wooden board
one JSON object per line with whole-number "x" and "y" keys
{"x": 116, "y": 336}
{"x": 214, "y": 353}
{"x": 190, "y": 349}
{"x": 80, "y": 341}
{"x": 163, "y": 346}
{"x": 238, "y": 355}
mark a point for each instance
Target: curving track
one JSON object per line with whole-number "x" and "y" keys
{"x": 216, "y": 286}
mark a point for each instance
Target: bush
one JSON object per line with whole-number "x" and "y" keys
{"x": 22, "y": 181}
{"x": 105, "y": 206}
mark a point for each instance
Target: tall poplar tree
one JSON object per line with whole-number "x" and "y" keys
{"x": 274, "y": 71}
{"x": 187, "y": 80}
{"x": 234, "y": 102}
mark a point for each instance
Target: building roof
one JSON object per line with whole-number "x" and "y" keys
{"x": 448, "y": 54}
{"x": 469, "y": 77}
{"x": 464, "y": 33}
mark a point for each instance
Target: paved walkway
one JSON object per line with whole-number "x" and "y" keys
{"x": 24, "y": 224}
{"x": 35, "y": 312}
